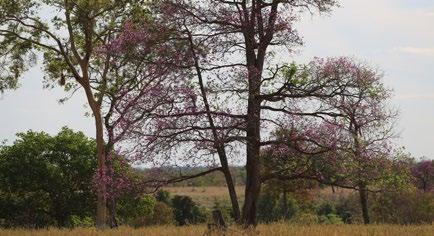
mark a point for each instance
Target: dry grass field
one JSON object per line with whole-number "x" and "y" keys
{"x": 266, "y": 230}
{"x": 206, "y": 195}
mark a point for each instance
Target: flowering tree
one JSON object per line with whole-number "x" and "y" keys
{"x": 365, "y": 122}
{"x": 345, "y": 140}
{"x": 236, "y": 41}
{"x": 67, "y": 33}
{"x": 162, "y": 110}
{"x": 230, "y": 48}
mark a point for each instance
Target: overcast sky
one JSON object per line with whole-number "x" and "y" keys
{"x": 394, "y": 35}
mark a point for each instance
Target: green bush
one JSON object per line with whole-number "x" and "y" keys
{"x": 225, "y": 208}
{"x": 136, "y": 212}
{"x": 346, "y": 208}
{"x": 326, "y": 208}
{"x": 81, "y": 222}
{"x": 187, "y": 211}
{"x": 163, "y": 196}
{"x": 409, "y": 206}
{"x": 327, "y": 214}
{"x": 330, "y": 219}
{"x": 163, "y": 214}
{"x": 274, "y": 207}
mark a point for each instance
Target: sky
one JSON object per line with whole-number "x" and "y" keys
{"x": 396, "y": 36}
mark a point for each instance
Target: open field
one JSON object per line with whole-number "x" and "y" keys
{"x": 268, "y": 230}
{"x": 206, "y": 195}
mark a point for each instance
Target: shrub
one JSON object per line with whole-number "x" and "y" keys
{"x": 163, "y": 214}
{"x": 187, "y": 211}
{"x": 326, "y": 208}
{"x": 346, "y": 207}
{"x": 75, "y": 221}
{"x": 163, "y": 196}
{"x": 225, "y": 208}
{"x": 305, "y": 218}
{"x": 274, "y": 207}
{"x": 137, "y": 212}
{"x": 330, "y": 219}
{"x": 408, "y": 206}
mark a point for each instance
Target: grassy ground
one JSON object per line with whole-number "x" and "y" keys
{"x": 267, "y": 230}
{"x": 207, "y": 195}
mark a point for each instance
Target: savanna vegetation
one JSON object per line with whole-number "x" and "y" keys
{"x": 181, "y": 93}
{"x": 45, "y": 183}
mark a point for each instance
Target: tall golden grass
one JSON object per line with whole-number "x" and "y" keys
{"x": 266, "y": 230}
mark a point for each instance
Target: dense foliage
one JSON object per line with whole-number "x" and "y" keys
{"x": 44, "y": 180}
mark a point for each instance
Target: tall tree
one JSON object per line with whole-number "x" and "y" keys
{"x": 346, "y": 138}
{"x": 68, "y": 34}
{"x": 231, "y": 50}
{"x": 365, "y": 121}
{"x": 165, "y": 109}
{"x": 248, "y": 31}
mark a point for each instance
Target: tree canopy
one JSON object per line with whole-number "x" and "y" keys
{"x": 44, "y": 179}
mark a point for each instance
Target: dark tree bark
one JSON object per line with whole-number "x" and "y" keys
{"x": 253, "y": 179}
{"x": 363, "y": 192}
{"x": 231, "y": 186}
{"x": 285, "y": 203}
{"x": 113, "y": 223}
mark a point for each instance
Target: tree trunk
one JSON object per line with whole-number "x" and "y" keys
{"x": 101, "y": 208}
{"x": 253, "y": 187}
{"x": 101, "y": 212}
{"x": 112, "y": 211}
{"x": 364, "y": 203}
{"x": 231, "y": 186}
{"x": 285, "y": 203}
{"x": 253, "y": 180}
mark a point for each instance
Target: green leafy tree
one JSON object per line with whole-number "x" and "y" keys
{"x": 44, "y": 179}
{"x": 68, "y": 34}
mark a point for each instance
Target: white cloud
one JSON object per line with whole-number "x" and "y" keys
{"x": 415, "y": 50}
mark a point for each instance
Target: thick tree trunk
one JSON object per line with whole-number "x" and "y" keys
{"x": 101, "y": 208}
{"x": 101, "y": 212}
{"x": 253, "y": 179}
{"x": 364, "y": 203}
{"x": 253, "y": 187}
